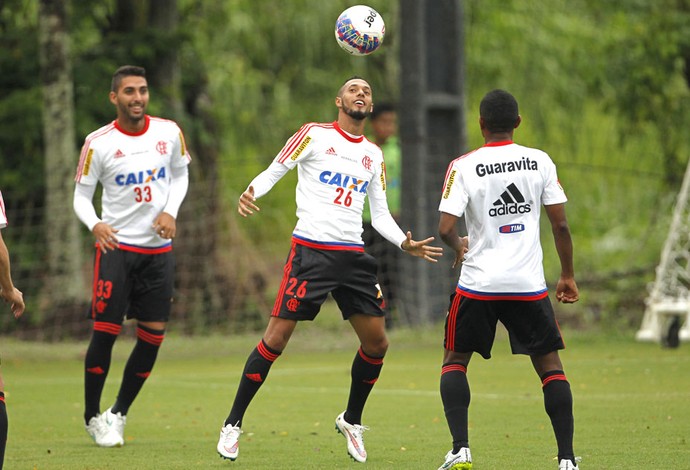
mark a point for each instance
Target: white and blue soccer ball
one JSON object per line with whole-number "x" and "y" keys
{"x": 360, "y": 30}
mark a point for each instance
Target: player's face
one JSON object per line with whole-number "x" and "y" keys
{"x": 355, "y": 99}
{"x": 131, "y": 98}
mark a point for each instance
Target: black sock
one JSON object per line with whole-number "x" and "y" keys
{"x": 558, "y": 402}
{"x": 97, "y": 363}
{"x": 3, "y": 428}
{"x": 138, "y": 368}
{"x": 455, "y": 394}
{"x": 365, "y": 372}
{"x": 255, "y": 372}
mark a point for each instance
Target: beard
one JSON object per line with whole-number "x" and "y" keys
{"x": 356, "y": 115}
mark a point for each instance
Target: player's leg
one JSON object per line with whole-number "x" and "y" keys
{"x": 141, "y": 360}
{"x": 110, "y": 295}
{"x": 3, "y": 423}
{"x": 367, "y": 363}
{"x": 470, "y": 326}
{"x": 533, "y": 330}
{"x": 558, "y": 402}
{"x": 259, "y": 362}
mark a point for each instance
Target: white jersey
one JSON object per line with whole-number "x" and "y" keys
{"x": 135, "y": 172}
{"x": 336, "y": 171}
{"x": 3, "y": 216}
{"x": 500, "y": 189}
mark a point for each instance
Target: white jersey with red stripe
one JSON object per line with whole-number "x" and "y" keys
{"x": 135, "y": 173}
{"x": 3, "y": 215}
{"x": 500, "y": 189}
{"x": 336, "y": 171}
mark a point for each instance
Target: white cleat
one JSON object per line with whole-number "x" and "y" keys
{"x": 229, "y": 442}
{"x": 460, "y": 461}
{"x": 102, "y": 434}
{"x": 353, "y": 434}
{"x": 116, "y": 422}
{"x": 566, "y": 464}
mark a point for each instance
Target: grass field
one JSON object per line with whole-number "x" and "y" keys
{"x": 632, "y": 405}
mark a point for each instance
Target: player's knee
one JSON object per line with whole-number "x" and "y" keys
{"x": 376, "y": 348}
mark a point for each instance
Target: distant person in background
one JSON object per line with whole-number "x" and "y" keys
{"x": 141, "y": 163}
{"x": 15, "y": 299}
{"x": 384, "y": 133}
{"x": 500, "y": 189}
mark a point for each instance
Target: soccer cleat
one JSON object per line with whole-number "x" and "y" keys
{"x": 229, "y": 442}
{"x": 353, "y": 434}
{"x": 116, "y": 422}
{"x": 460, "y": 461}
{"x": 101, "y": 433}
{"x": 566, "y": 464}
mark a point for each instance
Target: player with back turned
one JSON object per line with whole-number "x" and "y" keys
{"x": 500, "y": 189}
{"x": 337, "y": 168}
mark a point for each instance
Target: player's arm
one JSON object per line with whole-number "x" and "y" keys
{"x": 260, "y": 186}
{"x": 9, "y": 293}
{"x": 566, "y": 289}
{"x": 165, "y": 224}
{"x": 448, "y": 231}
{"x": 383, "y": 222}
{"x": 83, "y": 207}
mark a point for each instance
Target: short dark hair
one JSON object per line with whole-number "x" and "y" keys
{"x": 354, "y": 77}
{"x": 125, "y": 71}
{"x": 380, "y": 108}
{"x": 499, "y": 109}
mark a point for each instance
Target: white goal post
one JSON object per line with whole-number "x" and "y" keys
{"x": 667, "y": 315}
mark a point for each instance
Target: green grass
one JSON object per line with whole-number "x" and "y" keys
{"x": 632, "y": 405}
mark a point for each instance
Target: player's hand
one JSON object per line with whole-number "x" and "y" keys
{"x": 566, "y": 290}
{"x": 15, "y": 298}
{"x": 165, "y": 226}
{"x": 422, "y": 249}
{"x": 105, "y": 236}
{"x": 246, "y": 204}
{"x": 460, "y": 254}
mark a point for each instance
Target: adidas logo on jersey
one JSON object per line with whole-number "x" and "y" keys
{"x": 119, "y": 154}
{"x": 511, "y": 202}
{"x": 331, "y": 151}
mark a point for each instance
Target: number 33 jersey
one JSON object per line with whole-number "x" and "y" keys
{"x": 135, "y": 171}
{"x": 336, "y": 171}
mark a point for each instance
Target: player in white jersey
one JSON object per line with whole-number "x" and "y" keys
{"x": 337, "y": 168}
{"x": 15, "y": 299}
{"x": 500, "y": 189}
{"x": 141, "y": 163}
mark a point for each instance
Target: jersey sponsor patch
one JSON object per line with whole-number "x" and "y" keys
{"x": 511, "y": 228}
{"x": 300, "y": 148}
{"x": 383, "y": 176}
{"x": 449, "y": 183}
{"x": 87, "y": 163}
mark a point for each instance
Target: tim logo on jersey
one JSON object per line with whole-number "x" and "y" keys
{"x": 511, "y": 202}
{"x": 140, "y": 177}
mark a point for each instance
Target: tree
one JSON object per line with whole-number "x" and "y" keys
{"x": 65, "y": 284}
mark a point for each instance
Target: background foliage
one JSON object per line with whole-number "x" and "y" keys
{"x": 603, "y": 88}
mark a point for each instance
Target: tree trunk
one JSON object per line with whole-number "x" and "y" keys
{"x": 65, "y": 284}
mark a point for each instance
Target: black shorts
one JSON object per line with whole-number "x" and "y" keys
{"x": 471, "y": 325}
{"x": 311, "y": 274}
{"x": 133, "y": 285}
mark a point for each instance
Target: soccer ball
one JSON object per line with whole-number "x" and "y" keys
{"x": 360, "y": 30}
